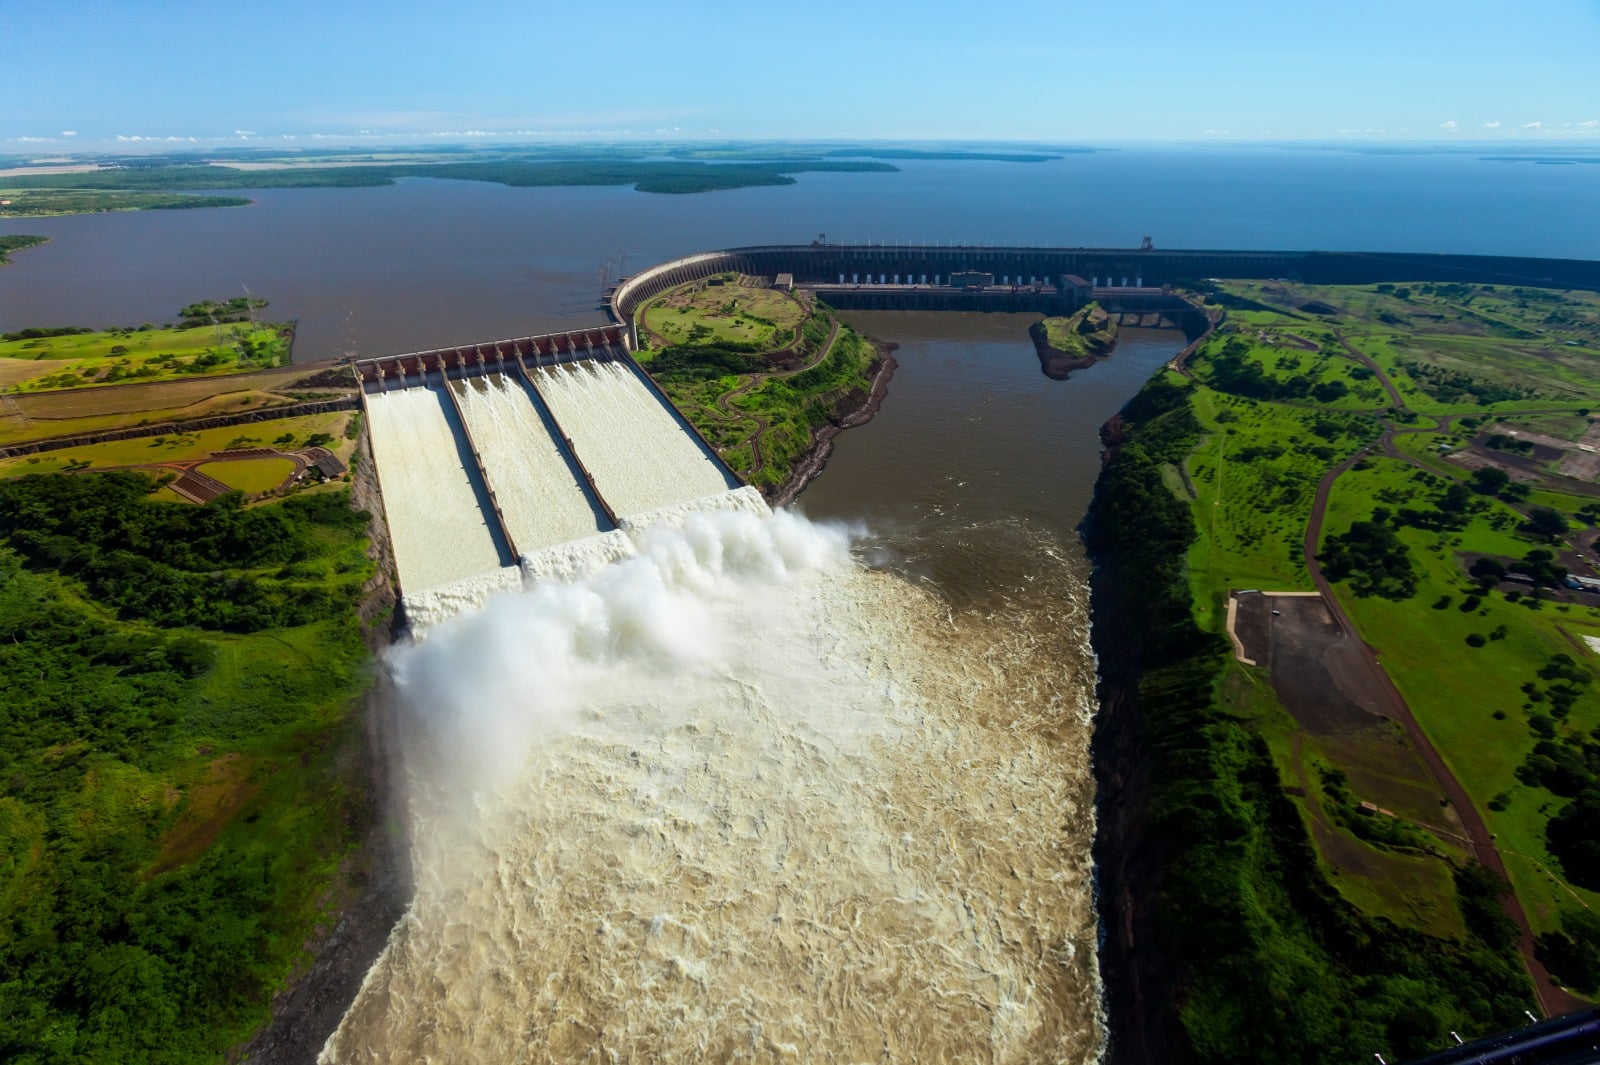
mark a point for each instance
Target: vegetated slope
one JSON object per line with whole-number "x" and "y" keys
{"x": 176, "y": 756}
{"x": 765, "y": 420}
{"x": 1250, "y": 954}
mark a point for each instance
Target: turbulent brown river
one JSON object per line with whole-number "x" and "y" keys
{"x": 811, "y": 786}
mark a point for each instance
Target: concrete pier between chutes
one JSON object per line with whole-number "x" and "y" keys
{"x": 491, "y": 454}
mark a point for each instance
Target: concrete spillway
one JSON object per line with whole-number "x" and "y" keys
{"x": 525, "y": 460}
{"x": 441, "y": 530}
{"x": 641, "y": 456}
{"x": 540, "y": 490}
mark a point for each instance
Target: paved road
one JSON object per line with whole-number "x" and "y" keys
{"x": 1553, "y": 1000}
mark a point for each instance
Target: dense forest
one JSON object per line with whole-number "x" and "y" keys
{"x": 175, "y": 729}
{"x": 1267, "y": 961}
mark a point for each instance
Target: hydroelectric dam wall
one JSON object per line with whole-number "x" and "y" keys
{"x": 488, "y": 453}
{"x": 1058, "y": 280}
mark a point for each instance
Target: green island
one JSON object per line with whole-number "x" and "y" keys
{"x": 1368, "y": 817}
{"x": 32, "y": 202}
{"x": 169, "y": 183}
{"x": 210, "y": 338}
{"x": 766, "y": 376}
{"x": 1074, "y": 342}
{"x": 11, "y": 242}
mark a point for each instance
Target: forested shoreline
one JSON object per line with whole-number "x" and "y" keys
{"x": 1225, "y": 941}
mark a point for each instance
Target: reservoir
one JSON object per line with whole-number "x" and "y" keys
{"x": 427, "y": 264}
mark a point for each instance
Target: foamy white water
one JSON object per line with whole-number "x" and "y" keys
{"x": 439, "y": 533}
{"x": 639, "y": 455}
{"x": 543, "y": 501}
{"x": 738, "y": 798}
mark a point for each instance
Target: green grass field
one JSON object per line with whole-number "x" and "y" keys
{"x": 42, "y": 364}
{"x": 752, "y": 319}
{"x": 1071, "y": 336}
{"x": 1513, "y": 356}
{"x": 250, "y": 476}
{"x": 760, "y": 420}
{"x": 1456, "y": 690}
{"x": 181, "y": 447}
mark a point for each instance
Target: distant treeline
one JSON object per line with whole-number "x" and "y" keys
{"x": 668, "y": 176}
{"x": 1267, "y": 960}
{"x": 46, "y": 200}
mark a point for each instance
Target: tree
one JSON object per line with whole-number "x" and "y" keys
{"x": 1574, "y": 838}
{"x": 1490, "y": 480}
{"x": 1543, "y": 521}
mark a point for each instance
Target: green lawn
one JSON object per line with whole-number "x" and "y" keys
{"x": 250, "y": 476}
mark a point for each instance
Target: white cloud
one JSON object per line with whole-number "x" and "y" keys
{"x": 1492, "y": 125}
{"x": 35, "y": 140}
{"x": 1591, "y": 124}
{"x": 244, "y": 133}
{"x": 69, "y": 133}
{"x": 1533, "y": 125}
{"x": 1451, "y": 125}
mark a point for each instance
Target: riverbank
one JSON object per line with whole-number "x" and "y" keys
{"x": 1283, "y": 873}
{"x": 816, "y": 458}
{"x": 373, "y": 886}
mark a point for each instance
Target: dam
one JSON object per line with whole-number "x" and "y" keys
{"x": 495, "y": 460}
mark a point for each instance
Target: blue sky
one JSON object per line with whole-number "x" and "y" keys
{"x": 85, "y": 73}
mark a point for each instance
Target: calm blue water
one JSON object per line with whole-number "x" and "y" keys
{"x": 428, "y": 263}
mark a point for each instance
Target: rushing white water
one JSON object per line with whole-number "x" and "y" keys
{"x": 543, "y": 500}
{"x": 439, "y": 533}
{"x": 641, "y": 458}
{"x": 737, "y": 797}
